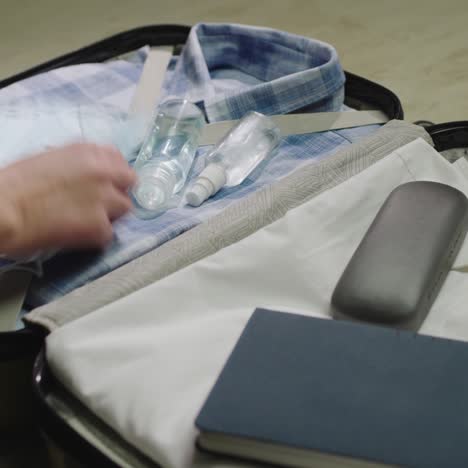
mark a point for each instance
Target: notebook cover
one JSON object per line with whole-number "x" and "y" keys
{"x": 344, "y": 388}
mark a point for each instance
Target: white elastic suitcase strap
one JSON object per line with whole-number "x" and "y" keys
{"x": 297, "y": 124}
{"x": 148, "y": 89}
{"x": 13, "y": 288}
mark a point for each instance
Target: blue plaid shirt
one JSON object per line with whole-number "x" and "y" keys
{"x": 227, "y": 70}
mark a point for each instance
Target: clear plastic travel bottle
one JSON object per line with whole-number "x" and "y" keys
{"x": 166, "y": 156}
{"x": 235, "y": 156}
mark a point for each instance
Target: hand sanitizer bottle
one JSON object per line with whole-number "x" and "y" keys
{"x": 166, "y": 156}
{"x": 235, "y": 156}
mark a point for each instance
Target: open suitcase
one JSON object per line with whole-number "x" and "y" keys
{"x": 19, "y": 348}
{"x": 70, "y": 439}
{"x": 76, "y": 437}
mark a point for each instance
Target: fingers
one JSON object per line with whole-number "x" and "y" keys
{"x": 117, "y": 203}
{"x": 120, "y": 173}
{"x": 103, "y": 234}
{"x": 114, "y": 178}
{"x": 106, "y": 162}
{"x": 96, "y": 232}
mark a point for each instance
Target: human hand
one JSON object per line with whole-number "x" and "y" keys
{"x": 65, "y": 197}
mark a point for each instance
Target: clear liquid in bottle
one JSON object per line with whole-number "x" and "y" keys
{"x": 166, "y": 156}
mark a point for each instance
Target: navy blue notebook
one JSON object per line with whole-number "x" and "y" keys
{"x": 302, "y": 391}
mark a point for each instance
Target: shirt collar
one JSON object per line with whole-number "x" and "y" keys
{"x": 230, "y": 69}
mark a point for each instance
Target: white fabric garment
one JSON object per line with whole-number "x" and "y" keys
{"x": 145, "y": 363}
{"x": 29, "y": 129}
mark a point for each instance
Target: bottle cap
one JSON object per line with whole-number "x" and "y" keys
{"x": 153, "y": 193}
{"x": 212, "y": 178}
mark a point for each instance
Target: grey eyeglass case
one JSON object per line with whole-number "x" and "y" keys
{"x": 401, "y": 263}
